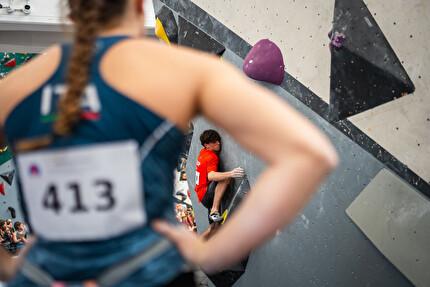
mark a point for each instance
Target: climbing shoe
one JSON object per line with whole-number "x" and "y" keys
{"x": 215, "y": 216}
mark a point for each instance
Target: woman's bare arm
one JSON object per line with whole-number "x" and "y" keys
{"x": 9, "y": 266}
{"x": 297, "y": 154}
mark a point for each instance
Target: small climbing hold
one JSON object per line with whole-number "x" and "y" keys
{"x": 28, "y": 58}
{"x": 265, "y": 63}
{"x": 336, "y": 40}
{"x": 5, "y": 58}
{"x": 12, "y": 211}
{"x": 8, "y": 176}
{"x": 11, "y": 63}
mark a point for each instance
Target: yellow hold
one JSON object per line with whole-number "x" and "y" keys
{"x": 159, "y": 31}
{"x": 224, "y": 215}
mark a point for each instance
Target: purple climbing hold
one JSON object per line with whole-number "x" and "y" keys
{"x": 265, "y": 63}
{"x": 336, "y": 40}
{"x": 336, "y": 44}
{"x": 339, "y": 37}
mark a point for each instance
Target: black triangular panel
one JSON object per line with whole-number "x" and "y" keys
{"x": 365, "y": 72}
{"x": 8, "y": 176}
{"x": 225, "y": 278}
{"x": 191, "y": 36}
{"x": 165, "y": 15}
{"x": 238, "y": 196}
{"x": 231, "y": 200}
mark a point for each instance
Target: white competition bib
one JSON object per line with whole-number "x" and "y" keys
{"x": 83, "y": 193}
{"x": 197, "y": 177}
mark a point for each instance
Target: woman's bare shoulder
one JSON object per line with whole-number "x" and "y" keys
{"x": 35, "y": 70}
{"x": 165, "y": 79}
{"x": 146, "y": 49}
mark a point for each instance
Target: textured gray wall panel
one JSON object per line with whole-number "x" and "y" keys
{"x": 396, "y": 219}
{"x": 322, "y": 247}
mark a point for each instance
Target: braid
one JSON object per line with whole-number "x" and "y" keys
{"x": 86, "y": 16}
{"x": 90, "y": 16}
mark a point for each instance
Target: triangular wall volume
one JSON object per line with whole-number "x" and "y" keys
{"x": 365, "y": 72}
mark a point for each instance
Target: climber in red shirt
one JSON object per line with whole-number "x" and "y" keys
{"x": 211, "y": 184}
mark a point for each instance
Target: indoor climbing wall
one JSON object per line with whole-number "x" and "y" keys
{"x": 10, "y": 61}
{"x": 9, "y": 202}
{"x": 300, "y": 29}
{"x": 359, "y": 71}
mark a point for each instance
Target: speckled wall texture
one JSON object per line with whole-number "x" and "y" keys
{"x": 300, "y": 29}
{"x": 323, "y": 246}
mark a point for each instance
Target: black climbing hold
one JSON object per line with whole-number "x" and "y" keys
{"x": 12, "y": 211}
{"x": 187, "y": 142}
{"x": 191, "y": 36}
{"x": 5, "y": 58}
{"x": 181, "y": 193}
{"x": 175, "y": 199}
{"x": 366, "y": 72}
{"x": 165, "y": 15}
{"x": 8, "y": 176}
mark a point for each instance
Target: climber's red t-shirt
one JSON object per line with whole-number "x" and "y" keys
{"x": 206, "y": 162}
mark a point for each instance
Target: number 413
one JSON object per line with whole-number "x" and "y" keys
{"x": 51, "y": 199}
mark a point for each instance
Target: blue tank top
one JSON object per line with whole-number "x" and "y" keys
{"x": 112, "y": 117}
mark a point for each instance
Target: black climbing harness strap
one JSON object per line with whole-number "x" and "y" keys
{"x": 110, "y": 277}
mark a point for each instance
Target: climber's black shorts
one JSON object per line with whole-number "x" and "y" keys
{"x": 208, "y": 199}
